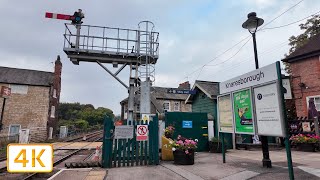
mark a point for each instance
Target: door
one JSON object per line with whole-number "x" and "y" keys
{"x": 24, "y": 136}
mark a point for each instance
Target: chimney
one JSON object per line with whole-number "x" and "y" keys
{"x": 185, "y": 85}
{"x": 55, "y": 95}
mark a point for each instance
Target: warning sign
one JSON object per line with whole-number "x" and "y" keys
{"x": 145, "y": 118}
{"x": 142, "y": 132}
{"x": 5, "y": 92}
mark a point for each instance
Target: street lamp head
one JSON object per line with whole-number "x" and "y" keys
{"x": 252, "y": 23}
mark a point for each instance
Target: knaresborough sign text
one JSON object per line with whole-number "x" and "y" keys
{"x": 259, "y": 76}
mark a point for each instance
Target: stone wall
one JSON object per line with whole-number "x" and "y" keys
{"x": 183, "y": 106}
{"x": 29, "y": 110}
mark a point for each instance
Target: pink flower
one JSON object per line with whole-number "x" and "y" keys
{"x": 180, "y": 142}
{"x": 187, "y": 152}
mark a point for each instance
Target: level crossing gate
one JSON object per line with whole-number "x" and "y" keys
{"x": 130, "y": 152}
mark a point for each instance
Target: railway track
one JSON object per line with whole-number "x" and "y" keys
{"x": 90, "y": 137}
{"x": 32, "y": 176}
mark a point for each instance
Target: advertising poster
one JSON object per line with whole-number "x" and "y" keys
{"x": 268, "y": 113}
{"x": 306, "y": 127}
{"x": 243, "y": 112}
{"x": 225, "y": 114}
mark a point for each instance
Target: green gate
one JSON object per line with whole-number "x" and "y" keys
{"x": 130, "y": 152}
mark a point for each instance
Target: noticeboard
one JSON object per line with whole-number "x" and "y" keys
{"x": 242, "y": 105}
{"x": 269, "y": 120}
{"x": 123, "y": 132}
{"x": 225, "y": 116}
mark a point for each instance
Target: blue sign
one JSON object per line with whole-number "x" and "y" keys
{"x": 180, "y": 91}
{"x": 186, "y": 124}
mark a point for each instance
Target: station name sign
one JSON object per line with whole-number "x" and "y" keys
{"x": 181, "y": 91}
{"x": 259, "y": 76}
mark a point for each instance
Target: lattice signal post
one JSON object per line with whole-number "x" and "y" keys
{"x": 138, "y": 49}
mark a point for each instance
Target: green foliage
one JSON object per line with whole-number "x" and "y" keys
{"x": 81, "y": 116}
{"x": 215, "y": 139}
{"x": 311, "y": 28}
{"x": 81, "y": 124}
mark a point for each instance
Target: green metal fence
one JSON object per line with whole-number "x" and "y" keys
{"x": 130, "y": 152}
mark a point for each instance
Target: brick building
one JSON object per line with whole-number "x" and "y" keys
{"x": 161, "y": 101}
{"x": 33, "y": 102}
{"x": 305, "y": 75}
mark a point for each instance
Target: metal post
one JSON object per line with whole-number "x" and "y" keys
{"x": 78, "y": 36}
{"x": 2, "y": 112}
{"x": 223, "y": 148}
{"x": 316, "y": 125}
{"x": 286, "y": 139}
{"x": 130, "y": 101}
{"x": 255, "y": 50}
{"x": 289, "y": 158}
{"x": 266, "y": 162}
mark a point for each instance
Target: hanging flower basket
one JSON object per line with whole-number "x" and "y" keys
{"x": 181, "y": 158}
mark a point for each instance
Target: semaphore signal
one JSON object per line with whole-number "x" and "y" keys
{"x": 75, "y": 18}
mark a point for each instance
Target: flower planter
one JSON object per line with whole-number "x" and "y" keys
{"x": 181, "y": 158}
{"x": 307, "y": 147}
{"x": 215, "y": 147}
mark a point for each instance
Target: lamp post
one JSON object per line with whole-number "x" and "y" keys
{"x": 252, "y": 24}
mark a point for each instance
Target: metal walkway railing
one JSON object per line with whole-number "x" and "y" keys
{"x": 109, "y": 40}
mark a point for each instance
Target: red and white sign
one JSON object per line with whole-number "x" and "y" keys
{"x": 142, "y": 132}
{"x": 5, "y": 92}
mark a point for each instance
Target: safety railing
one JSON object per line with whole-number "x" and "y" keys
{"x": 110, "y": 40}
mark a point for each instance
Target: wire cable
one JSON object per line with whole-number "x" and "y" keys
{"x": 206, "y": 64}
{"x": 277, "y": 27}
{"x": 282, "y": 13}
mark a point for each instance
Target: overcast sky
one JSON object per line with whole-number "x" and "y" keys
{"x": 192, "y": 33}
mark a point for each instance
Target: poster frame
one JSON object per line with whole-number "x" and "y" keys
{"x": 253, "y": 117}
{"x": 277, "y": 82}
{"x": 218, "y": 114}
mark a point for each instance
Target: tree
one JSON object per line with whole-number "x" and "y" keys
{"x": 81, "y": 124}
{"x": 311, "y": 28}
{"x": 70, "y": 115}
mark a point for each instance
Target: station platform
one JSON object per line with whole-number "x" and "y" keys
{"x": 83, "y": 173}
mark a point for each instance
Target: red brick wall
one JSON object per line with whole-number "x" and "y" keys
{"x": 308, "y": 72}
{"x": 54, "y": 101}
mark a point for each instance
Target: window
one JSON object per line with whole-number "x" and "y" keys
{"x": 138, "y": 107}
{"x": 54, "y": 93}
{"x": 166, "y": 106}
{"x": 176, "y": 106}
{"x": 19, "y": 89}
{"x": 316, "y": 100}
{"x": 14, "y": 129}
{"x": 53, "y": 111}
